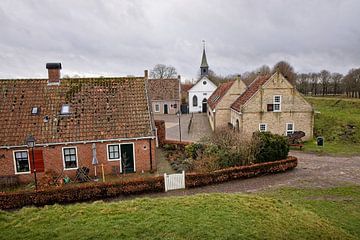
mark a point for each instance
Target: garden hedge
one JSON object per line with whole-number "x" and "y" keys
{"x": 96, "y": 191}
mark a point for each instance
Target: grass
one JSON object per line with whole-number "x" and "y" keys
{"x": 338, "y": 122}
{"x": 339, "y": 205}
{"x": 283, "y": 214}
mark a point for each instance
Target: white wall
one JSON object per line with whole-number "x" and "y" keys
{"x": 203, "y": 90}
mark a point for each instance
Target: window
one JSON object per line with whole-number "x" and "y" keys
{"x": 65, "y": 109}
{"x": 277, "y": 103}
{"x": 157, "y": 107}
{"x": 289, "y": 129}
{"x": 35, "y": 111}
{"x": 195, "y": 101}
{"x": 70, "y": 158}
{"x": 21, "y": 162}
{"x": 204, "y": 82}
{"x": 113, "y": 152}
{"x": 262, "y": 127}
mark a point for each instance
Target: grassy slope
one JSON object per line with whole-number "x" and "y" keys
{"x": 332, "y": 122}
{"x": 283, "y": 215}
{"x": 340, "y": 205}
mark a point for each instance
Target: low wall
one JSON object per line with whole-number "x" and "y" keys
{"x": 96, "y": 191}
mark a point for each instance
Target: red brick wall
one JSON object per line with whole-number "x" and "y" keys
{"x": 161, "y": 131}
{"x": 53, "y": 159}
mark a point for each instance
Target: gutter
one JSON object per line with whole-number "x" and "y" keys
{"x": 78, "y": 142}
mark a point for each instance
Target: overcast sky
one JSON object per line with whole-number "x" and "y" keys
{"x": 119, "y": 38}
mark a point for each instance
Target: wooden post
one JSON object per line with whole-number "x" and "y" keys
{"x": 102, "y": 170}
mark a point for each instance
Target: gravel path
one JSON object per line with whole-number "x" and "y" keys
{"x": 312, "y": 171}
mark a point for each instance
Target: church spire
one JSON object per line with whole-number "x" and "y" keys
{"x": 204, "y": 67}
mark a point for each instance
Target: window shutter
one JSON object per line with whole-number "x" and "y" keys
{"x": 38, "y": 160}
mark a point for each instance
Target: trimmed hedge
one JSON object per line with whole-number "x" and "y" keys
{"x": 80, "y": 193}
{"x": 228, "y": 174}
{"x": 96, "y": 191}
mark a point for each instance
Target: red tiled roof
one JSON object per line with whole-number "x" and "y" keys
{"x": 164, "y": 89}
{"x": 185, "y": 87}
{"x": 100, "y": 109}
{"x": 221, "y": 90}
{"x": 250, "y": 91}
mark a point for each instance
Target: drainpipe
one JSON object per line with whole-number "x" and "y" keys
{"x": 151, "y": 160}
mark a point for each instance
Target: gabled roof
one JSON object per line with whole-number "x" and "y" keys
{"x": 185, "y": 87}
{"x": 204, "y": 63}
{"x": 164, "y": 89}
{"x": 250, "y": 91}
{"x": 100, "y": 109}
{"x": 216, "y": 97}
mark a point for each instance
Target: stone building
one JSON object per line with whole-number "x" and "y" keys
{"x": 219, "y": 103}
{"x": 272, "y": 104}
{"x": 71, "y": 119}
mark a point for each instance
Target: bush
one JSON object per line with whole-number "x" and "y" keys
{"x": 193, "y": 150}
{"x": 272, "y": 147}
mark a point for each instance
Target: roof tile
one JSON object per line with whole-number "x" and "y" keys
{"x": 250, "y": 91}
{"x": 215, "y": 98}
{"x": 100, "y": 108}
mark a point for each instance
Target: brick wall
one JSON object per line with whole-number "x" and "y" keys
{"x": 53, "y": 159}
{"x": 161, "y": 131}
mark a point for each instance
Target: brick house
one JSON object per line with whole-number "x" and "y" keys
{"x": 69, "y": 118}
{"x": 271, "y": 103}
{"x": 165, "y": 95}
{"x": 219, "y": 103}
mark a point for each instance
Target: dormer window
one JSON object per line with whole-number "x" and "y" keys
{"x": 35, "y": 111}
{"x": 65, "y": 109}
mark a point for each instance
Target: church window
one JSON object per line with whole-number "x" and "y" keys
{"x": 195, "y": 101}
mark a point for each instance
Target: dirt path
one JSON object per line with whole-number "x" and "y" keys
{"x": 312, "y": 171}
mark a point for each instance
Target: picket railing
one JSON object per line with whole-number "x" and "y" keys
{"x": 174, "y": 181}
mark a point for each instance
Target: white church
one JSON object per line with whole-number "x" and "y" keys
{"x": 202, "y": 89}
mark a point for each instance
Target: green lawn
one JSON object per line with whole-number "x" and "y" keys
{"x": 338, "y": 122}
{"x": 281, "y": 214}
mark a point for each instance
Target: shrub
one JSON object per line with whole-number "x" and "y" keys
{"x": 193, "y": 150}
{"x": 272, "y": 147}
{"x": 169, "y": 147}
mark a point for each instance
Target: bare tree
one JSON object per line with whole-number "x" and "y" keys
{"x": 324, "y": 81}
{"x": 163, "y": 71}
{"x": 286, "y": 70}
{"x": 336, "y": 83}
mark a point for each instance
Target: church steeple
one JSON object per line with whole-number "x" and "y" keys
{"x": 204, "y": 67}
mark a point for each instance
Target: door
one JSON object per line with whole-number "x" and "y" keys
{"x": 204, "y": 105}
{"x": 165, "y": 109}
{"x": 127, "y": 158}
{"x": 38, "y": 160}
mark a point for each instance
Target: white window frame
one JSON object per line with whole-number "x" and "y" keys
{"x": 76, "y": 157}
{"x": 277, "y": 103}
{"x": 65, "y": 109}
{"x": 157, "y": 105}
{"x": 120, "y": 160}
{"x": 107, "y": 152}
{"x": 286, "y": 128}
{"x": 14, "y": 158}
{"x": 265, "y": 124}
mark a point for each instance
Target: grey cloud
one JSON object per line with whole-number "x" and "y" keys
{"x": 94, "y": 37}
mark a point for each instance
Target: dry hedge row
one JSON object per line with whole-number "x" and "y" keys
{"x": 96, "y": 191}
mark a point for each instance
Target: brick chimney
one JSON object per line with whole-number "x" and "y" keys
{"x": 146, "y": 73}
{"x": 54, "y": 73}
